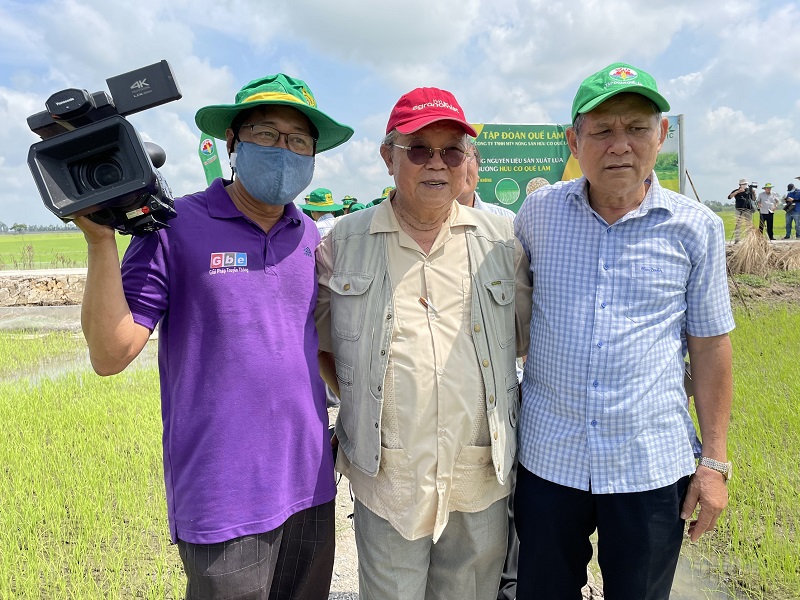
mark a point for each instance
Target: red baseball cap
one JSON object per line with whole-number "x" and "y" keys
{"x": 423, "y": 106}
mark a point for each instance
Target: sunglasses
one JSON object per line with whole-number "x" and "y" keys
{"x": 419, "y": 155}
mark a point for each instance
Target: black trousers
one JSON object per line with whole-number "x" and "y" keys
{"x": 766, "y": 218}
{"x": 291, "y": 562}
{"x": 639, "y": 540}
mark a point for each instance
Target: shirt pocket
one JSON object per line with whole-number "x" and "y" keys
{"x": 349, "y": 303}
{"x": 396, "y": 482}
{"x": 473, "y": 476}
{"x": 655, "y": 291}
{"x": 501, "y": 292}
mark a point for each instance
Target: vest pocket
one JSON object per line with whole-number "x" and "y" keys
{"x": 349, "y": 303}
{"x": 512, "y": 391}
{"x": 501, "y": 291}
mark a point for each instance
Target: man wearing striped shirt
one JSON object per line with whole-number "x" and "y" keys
{"x": 627, "y": 277}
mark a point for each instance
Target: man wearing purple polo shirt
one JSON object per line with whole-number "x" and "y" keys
{"x": 231, "y": 284}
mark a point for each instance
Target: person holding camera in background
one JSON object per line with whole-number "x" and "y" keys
{"x": 767, "y": 202}
{"x": 231, "y": 283}
{"x": 745, "y": 203}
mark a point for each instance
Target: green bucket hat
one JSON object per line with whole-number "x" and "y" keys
{"x": 274, "y": 90}
{"x": 355, "y": 207}
{"x": 387, "y": 191}
{"x": 349, "y": 201}
{"x": 321, "y": 200}
{"x": 615, "y": 79}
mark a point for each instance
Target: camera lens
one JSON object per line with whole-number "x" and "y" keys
{"x": 101, "y": 172}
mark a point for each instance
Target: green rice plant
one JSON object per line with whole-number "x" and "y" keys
{"x": 22, "y": 353}
{"x": 758, "y": 536}
{"x": 48, "y": 250}
{"x": 83, "y": 512}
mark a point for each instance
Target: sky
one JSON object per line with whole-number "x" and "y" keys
{"x": 731, "y": 68}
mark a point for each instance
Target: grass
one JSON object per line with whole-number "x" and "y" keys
{"x": 47, "y": 250}
{"x": 83, "y": 513}
{"x": 758, "y": 536}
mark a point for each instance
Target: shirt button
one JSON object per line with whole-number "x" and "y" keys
{"x": 346, "y": 286}
{"x": 383, "y": 352}
{"x": 594, "y": 423}
{"x": 440, "y": 371}
{"x": 442, "y": 432}
{"x": 605, "y": 266}
{"x": 595, "y": 383}
{"x": 603, "y": 305}
{"x": 389, "y": 317}
{"x": 491, "y": 399}
{"x": 599, "y": 344}
{"x": 441, "y": 485}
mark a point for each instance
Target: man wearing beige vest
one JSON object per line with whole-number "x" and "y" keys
{"x": 418, "y": 320}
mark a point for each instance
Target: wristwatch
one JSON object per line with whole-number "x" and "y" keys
{"x": 725, "y": 468}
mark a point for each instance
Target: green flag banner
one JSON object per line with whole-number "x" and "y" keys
{"x": 519, "y": 159}
{"x": 209, "y": 157}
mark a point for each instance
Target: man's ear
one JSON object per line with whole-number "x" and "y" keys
{"x": 386, "y": 155}
{"x": 230, "y": 140}
{"x": 572, "y": 141}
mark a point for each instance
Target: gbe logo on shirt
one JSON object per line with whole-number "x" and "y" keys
{"x": 220, "y": 260}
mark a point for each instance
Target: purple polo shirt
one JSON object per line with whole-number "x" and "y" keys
{"x": 242, "y": 403}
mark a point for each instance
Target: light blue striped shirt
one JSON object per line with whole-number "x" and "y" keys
{"x": 603, "y": 398}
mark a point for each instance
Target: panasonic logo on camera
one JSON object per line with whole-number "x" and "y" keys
{"x": 65, "y": 101}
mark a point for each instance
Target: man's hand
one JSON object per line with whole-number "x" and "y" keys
{"x": 707, "y": 488}
{"x": 93, "y": 232}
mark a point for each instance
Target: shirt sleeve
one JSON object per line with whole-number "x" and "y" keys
{"x": 322, "y": 313}
{"x": 523, "y": 299}
{"x": 708, "y": 305}
{"x": 145, "y": 278}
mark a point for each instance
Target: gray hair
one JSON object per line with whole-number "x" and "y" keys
{"x": 390, "y": 137}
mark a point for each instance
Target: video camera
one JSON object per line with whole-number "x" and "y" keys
{"x": 91, "y": 161}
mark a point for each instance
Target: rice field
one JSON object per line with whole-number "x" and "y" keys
{"x": 83, "y": 513}
{"x": 47, "y": 250}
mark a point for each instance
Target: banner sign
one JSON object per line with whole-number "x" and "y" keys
{"x": 207, "y": 150}
{"x": 518, "y": 159}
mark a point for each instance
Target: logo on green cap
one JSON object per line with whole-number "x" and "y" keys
{"x": 623, "y": 73}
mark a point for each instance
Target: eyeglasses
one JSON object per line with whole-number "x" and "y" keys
{"x": 264, "y": 135}
{"x": 419, "y": 155}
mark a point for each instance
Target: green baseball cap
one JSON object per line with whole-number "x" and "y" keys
{"x": 321, "y": 200}
{"x": 349, "y": 201}
{"x": 615, "y": 79}
{"x": 275, "y": 90}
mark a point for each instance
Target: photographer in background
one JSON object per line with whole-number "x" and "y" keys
{"x": 231, "y": 283}
{"x": 745, "y": 205}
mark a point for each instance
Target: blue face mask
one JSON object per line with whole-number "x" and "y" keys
{"x": 272, "y": 175}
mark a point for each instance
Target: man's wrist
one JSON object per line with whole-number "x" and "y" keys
{"x": 724, "y": 468}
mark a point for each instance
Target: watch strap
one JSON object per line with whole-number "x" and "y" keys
{"x": 721, "y": 467}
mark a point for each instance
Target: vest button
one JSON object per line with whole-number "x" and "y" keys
{"x": 491, "y": 399}
{"x": 485, "y": 362}
{"x": 383, "y": 352}
{"x": 346, "y": 286}
{"x": 477, "y": 328}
